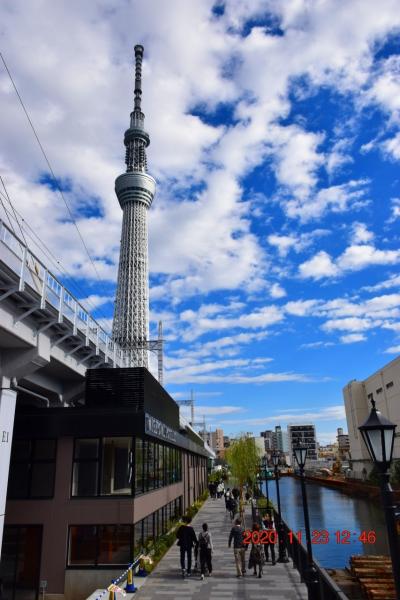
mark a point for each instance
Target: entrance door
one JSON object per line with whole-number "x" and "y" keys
{"x": 20, "y": 561}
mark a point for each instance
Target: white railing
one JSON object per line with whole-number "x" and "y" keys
{"x": 33, "y": 272}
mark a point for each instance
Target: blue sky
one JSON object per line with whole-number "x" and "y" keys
{"x": 275, "y": 142}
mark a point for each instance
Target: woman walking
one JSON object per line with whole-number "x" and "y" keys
{"x": 256, "y": 557}
{"x": 269, "y": 525}
{"x": 205, "y": 549}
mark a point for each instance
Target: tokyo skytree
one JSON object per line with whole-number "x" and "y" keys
{"x": 135, "y": 190}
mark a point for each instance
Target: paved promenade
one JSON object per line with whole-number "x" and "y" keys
{"x": 279, "y": 582}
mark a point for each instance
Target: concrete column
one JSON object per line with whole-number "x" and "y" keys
{"x": 8, "y": 400}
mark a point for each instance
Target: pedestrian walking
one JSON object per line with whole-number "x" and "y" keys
{"x": 268, "y": 523}
{"x": 228, "y": 496}
{"x": 220, "y": 489}
{"x": 239, "y": 548}
{"x": 186, "y": 540}
{"x": 232, "y": 507}
{"x": 205, "y": 549}
{"x": 256, "y": 558}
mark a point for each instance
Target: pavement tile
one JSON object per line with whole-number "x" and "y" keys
{"x": 279, "y": 582}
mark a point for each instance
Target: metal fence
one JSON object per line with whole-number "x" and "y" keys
{"x": 327, "y": 587}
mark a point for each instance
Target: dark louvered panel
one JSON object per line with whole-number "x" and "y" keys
{"x": 135, "y": 388}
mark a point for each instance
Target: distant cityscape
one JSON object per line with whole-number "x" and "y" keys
{"x": 347, "y": 454}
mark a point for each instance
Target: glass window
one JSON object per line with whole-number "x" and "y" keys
{"x": 150, "y": 465}
{"x": 85, "y": 478}
{"x": 92, "y": 545}
{"x": 166, "y": 465}
{"x": 114, "y": 544}
{"x": 82, "y": 545}
{"x": 32, "y": 469}
{"x": 18, "y": 481}
{"x": 44, "y": 450}
{"x": 139, "y": 466}
{"x": 138, "y": 537}
{"x": 160, "y": 475}
{"x": 42, "y": 480}
{"x": 116, "y": 466}
{"x": 145, "y": 465}
{"x": 88, "y": 448}
{"x": 148, "y": 531}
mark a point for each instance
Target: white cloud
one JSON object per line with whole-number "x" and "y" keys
{"x": 354, "y": 258}
{"x": 319, "y": 344}
{"x": 393, "y": 281}
{"x": 328, "y": 413}
{"x": 352, "y": 337}
{"x": 348, "y": 324}
{"x": 211, "y": 410}
{"x": 360, "y": 234}
{"x": 393, "y": 350}
{"x": 319, "y": 266}
{"x": 395, "y": 208}
{"x": 277, "y": 291}
{"x": 337, "y": 198}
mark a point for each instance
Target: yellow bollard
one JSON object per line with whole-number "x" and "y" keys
{"x": 130, "y": 586}
{"x": 111, "y": 595}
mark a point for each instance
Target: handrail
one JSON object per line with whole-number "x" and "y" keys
{"x": 327, "y": 587}
{"x": 133, "y": 565}
{"x": 53, "y": 291}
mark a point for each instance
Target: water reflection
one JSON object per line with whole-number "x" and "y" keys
{"x": 333, "y": 511}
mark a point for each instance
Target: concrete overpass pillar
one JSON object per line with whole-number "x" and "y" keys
{"x": 8, "y": 400}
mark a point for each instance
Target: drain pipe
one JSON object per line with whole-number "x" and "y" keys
{"x": 19, "y": 388}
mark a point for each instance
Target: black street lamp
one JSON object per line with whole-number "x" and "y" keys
{"x": 283, "y": 558}
{"x": 378, "y": 434}
{"x": 311, "y": 574}
{"x": 265, "y": 469}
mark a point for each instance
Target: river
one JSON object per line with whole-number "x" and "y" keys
{"x": 332, "y": 511}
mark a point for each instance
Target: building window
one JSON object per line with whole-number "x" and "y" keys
{"x": 86, "y": 467}
{"x": 139, "y": 480}
{"x": 389, "y": 385}
{"x": 32, "y": 469}
{"x": 119, "y": 466}
{"x": 379, "y": 391}
{"x": 99, "y": 545}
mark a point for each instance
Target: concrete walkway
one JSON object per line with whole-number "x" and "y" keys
{"x": 279, "y": 582}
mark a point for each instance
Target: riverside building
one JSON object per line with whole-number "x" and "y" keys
{"x": 92, "y": 485}
{"x": 384, "y": 385}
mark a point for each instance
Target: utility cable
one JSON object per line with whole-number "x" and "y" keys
{"x": 13, "y": 209}
{"x": 46, "y": 251}
{"x": 50, "y": 167}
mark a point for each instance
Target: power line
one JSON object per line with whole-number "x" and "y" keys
{"x": 12, "y": 208}
{"x": 44, "y": 248}
{"x": 50, "y": 167}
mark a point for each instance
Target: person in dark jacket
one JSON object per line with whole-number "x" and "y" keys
{"x": 186, "y": 540}
{"x": 256, "y": 557}
{"x": 205, "y": 549}
{"x": 239, "y": 549}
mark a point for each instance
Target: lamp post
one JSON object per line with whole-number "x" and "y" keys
{"x": 265, "y": 469}
{"x": 283, "y": 558}
{"x": 378, "y": 434}
{"x": 311, "y": 574}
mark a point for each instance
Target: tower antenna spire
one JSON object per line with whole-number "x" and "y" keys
{"x": 138, "y": 77}
{"x": 135, "y": 190}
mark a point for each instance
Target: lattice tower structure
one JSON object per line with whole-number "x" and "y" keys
{"x": 135, "y": 190}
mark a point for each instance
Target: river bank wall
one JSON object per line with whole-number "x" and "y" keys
{"x": 352, "y": 487}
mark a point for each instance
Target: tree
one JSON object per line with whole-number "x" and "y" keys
{"x": 243, "y": 458}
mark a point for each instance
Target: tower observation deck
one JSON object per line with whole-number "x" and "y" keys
{"x": 135, "y": 190}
